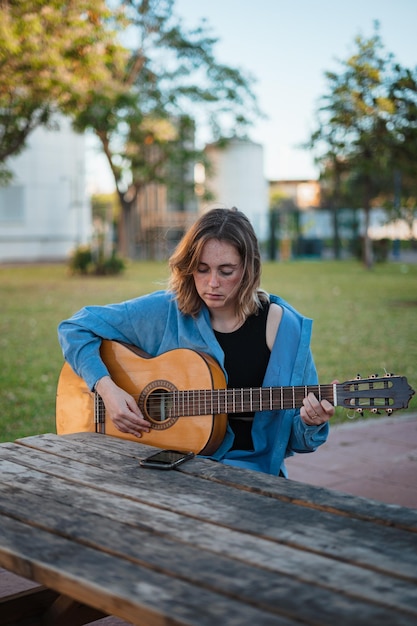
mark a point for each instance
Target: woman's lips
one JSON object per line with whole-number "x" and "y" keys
{"x": 213, "y": 296}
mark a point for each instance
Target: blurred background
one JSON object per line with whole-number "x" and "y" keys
{"x": 121, "y": 121}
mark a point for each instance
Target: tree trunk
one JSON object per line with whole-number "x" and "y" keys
{"x": 336, "y": 235}
{"x": 367, "y": 243}
{"x": 126, "y": 228}
{"x": 335, "y": 212}
{"x": 273, "y": 233}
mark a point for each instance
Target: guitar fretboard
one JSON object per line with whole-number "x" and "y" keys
{"x": 247, "y": 400}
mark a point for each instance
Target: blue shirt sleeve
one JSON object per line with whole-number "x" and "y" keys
{"x": 130, "y": 322}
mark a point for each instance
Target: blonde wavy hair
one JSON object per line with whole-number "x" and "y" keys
{"x": 231, "y": 226}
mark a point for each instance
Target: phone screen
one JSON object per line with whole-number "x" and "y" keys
{"x": 166, "y": 459}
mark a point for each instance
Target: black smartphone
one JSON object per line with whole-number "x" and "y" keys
{"x": 166, "y": 459}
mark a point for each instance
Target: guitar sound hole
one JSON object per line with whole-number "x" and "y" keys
{"x": 159, "y": 405}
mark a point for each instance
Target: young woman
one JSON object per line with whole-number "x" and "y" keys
{"x": 213, "y": 304}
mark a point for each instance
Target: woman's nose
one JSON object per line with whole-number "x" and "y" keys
{"x": 213, "y": 280}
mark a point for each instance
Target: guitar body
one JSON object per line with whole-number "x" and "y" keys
{"x": 78, "y": 409}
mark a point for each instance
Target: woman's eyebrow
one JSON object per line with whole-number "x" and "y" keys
{"x": 233, "y": 265}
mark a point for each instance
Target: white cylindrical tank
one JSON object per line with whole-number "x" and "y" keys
{"x": 237, "y": 179}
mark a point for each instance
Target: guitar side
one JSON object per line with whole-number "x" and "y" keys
{"x": 134, "y": 372}
{"x": 74, "y": 404}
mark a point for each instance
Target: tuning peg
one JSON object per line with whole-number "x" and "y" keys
{"x": 360, "y": 411}
{"x": 375, "y": 411}
{"x": 389, "y": 411}
{"x": 358, "y": 377}
{"x": 374, "y": 376}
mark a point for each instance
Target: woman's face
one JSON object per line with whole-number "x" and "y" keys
{"x": 219, "y": 275}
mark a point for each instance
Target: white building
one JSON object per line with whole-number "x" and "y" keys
{"x": 238, "y": 180}
{"x": 44, "y": 212}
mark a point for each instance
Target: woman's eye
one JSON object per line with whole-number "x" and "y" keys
{"x": 206, "y": 270}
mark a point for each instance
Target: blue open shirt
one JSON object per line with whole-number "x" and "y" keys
{"x": 155, "y": 324}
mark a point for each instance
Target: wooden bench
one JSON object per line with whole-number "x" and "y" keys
{"x": 203, "y": 544}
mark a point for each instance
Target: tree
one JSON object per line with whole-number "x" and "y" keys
{"x": 175, "y": 83}
{"x": 363, "y": 122}
{"x": 53, "y": 55}
{"x": 402, "y": 201}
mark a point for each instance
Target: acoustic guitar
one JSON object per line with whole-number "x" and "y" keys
{"x": 183, "y": 394}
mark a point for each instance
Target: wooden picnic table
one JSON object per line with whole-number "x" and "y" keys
{"x": 203, "y": 544}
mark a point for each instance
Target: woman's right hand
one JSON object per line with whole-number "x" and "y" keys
{"x": 122, "y": 408}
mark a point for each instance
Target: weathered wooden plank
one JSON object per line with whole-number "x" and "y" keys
{"x": 302, "y": 494}
{"x": 66, "y": 446}
{"x": 310, "y": 496}
{"x": 230, "y": 579}
{"x": 335, "y": 536}
{"x": 226, "y": 561}
{"x": 119, "y": 587}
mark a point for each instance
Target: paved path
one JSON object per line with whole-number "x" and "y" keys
{"x": 373, "y": 458}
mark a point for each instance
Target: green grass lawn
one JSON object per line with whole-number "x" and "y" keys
{"x": 364, "y": 322}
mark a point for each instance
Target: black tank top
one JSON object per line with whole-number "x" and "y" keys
{"x": 246, "y": 358}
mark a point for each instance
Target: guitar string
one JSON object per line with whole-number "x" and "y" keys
{"x": 219, "y": 401}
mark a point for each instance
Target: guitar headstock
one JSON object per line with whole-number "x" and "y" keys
{"x": 376, "y": 393}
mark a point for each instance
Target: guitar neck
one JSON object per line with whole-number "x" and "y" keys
{"x": 247, "y": 400}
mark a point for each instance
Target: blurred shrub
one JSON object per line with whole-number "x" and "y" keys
{"x": 83, "y": 261}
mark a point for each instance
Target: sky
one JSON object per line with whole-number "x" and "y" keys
{"x": 287, "y": 46}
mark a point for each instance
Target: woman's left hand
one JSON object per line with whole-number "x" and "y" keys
{"x": 313, "y": 412}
